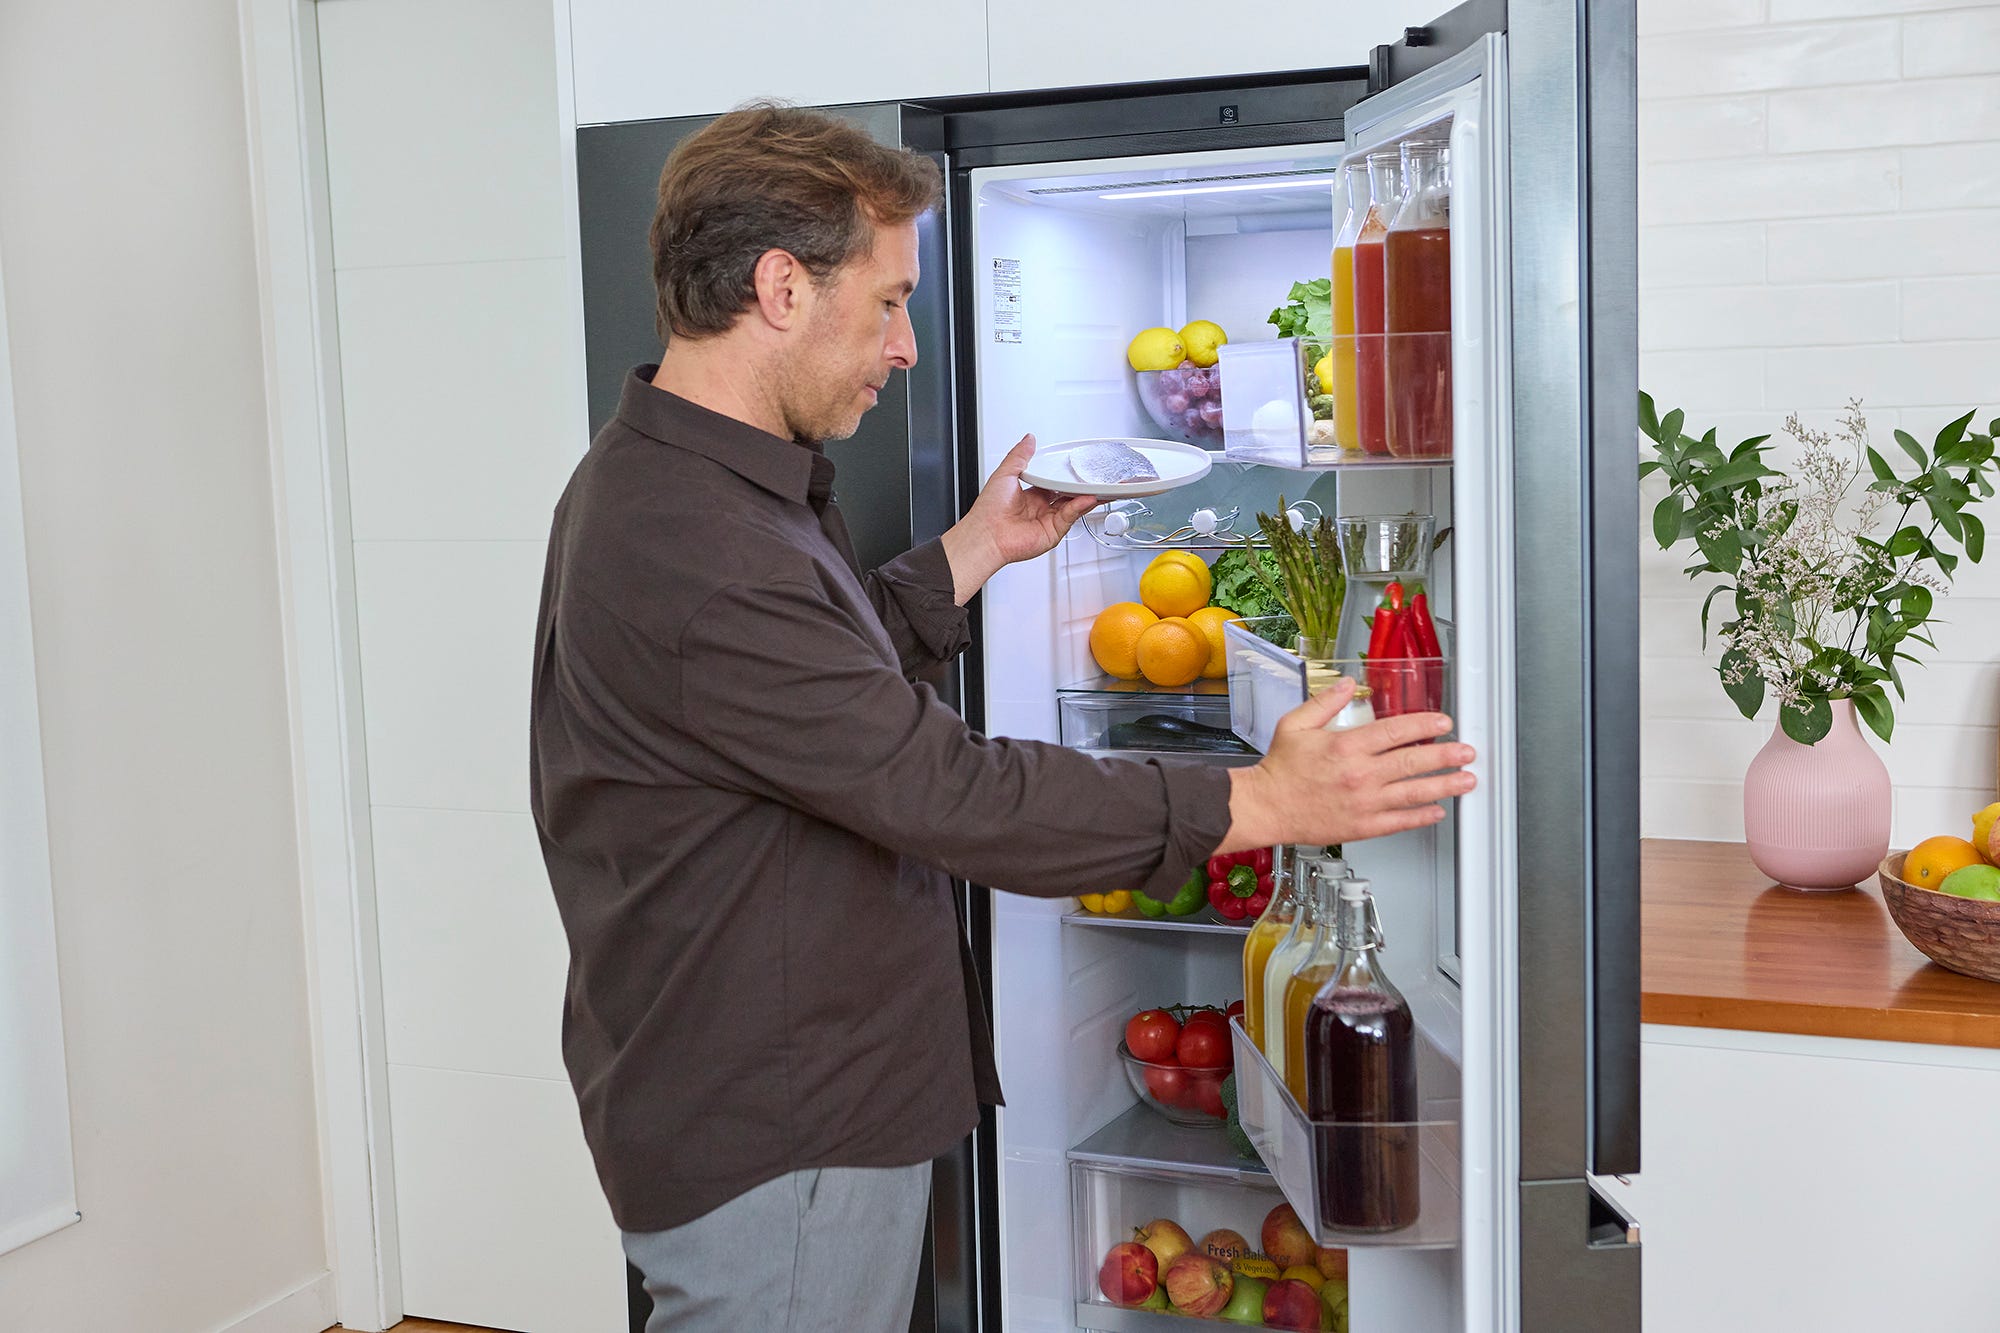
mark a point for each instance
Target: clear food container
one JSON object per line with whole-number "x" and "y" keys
{"x": 1268, "y": 679}
{"x": 1112, "y": 714}
{"x": 1185, "y": 403}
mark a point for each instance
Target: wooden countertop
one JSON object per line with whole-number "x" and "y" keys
{"x": 1724, "y": 947}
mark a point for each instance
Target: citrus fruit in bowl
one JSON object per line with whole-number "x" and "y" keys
{"x": 1931, "y": 861}
{"x": 1960, "y": 933}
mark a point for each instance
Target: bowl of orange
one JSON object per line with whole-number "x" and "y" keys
{"x": 1962, "y": 934}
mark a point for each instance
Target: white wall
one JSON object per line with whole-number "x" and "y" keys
{"x": 461, "y": 387}
{"x": 1820, "y": 219}
{"x": 125, "y": 226}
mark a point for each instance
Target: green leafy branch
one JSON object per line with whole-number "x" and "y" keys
{"x": 1821, "y": 611}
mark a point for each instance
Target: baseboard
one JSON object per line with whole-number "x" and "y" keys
{"x": 307, "y": 1308}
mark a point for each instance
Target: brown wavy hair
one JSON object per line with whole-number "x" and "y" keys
{"x": 768, "y": 176}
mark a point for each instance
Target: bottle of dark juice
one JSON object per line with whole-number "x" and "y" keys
{"x": 1417, "y": 306}
{"x": 1361, "y": 1082}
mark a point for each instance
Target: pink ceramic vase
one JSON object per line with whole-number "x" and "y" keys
{"x": 1817, "y": 816}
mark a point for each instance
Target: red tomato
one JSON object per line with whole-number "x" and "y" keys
{"x": 1205, "y": 1095}
{"x": 1235, "y": 1009}
{"x": 1203, "y": 1046}
{"x": 1215, "y": 1016}
{"x": 1260, "y": 860}
{"x": 1168, "y": 1085}
{"x": 1151, "y": 1035}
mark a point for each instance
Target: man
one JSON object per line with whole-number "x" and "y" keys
{"x": 751, "y": 807}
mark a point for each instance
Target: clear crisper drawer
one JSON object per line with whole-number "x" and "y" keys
{"x": 1112, "y": 714}
{"x": 1109, "y": 1206}
{"x": 1333, "y": 1172}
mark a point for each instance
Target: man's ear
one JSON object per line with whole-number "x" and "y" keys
{"x": 784, "y": 288}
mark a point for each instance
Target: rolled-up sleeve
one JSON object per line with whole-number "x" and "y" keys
{"x": 791, "y": 701}
{"x": 913, "y": 594}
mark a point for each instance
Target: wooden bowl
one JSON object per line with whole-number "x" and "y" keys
{"x": 1962, "y": 934}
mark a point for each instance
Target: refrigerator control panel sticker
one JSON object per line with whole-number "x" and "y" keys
{"x": 1007, "y": 300}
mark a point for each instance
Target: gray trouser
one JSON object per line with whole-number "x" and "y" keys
{"x": 834, "y": 1249}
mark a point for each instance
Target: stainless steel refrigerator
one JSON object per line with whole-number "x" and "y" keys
{"x": 1075, "y": 218}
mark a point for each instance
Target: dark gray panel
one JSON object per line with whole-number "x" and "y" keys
{"x": 1575, "y": 363}
{"x": 1579, "y": 1262}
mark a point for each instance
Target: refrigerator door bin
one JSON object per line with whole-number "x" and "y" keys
{"x": 1305, "y": 1155}
{"x": 1268, "y": 679}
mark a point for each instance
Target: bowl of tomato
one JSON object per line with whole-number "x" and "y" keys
{"x": 1175, "y": 1059}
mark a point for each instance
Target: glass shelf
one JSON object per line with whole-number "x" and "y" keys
{"x": 1207, "y": 921}
{"x": 1143, "y": 1140}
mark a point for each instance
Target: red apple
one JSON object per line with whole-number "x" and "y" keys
{"x": 1333, "y": 1264}
{"x": 1224, "y": 1245}
{"x": 1128, "y": 1274}
{"x": 1286, "y": 1239}
{"x": 1166, "y": 1239}
{"x": 1292, "y": 1304}
{"x": 1198, "y": 1285}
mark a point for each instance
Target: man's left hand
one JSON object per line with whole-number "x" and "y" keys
{"x": 1009, "y": 522}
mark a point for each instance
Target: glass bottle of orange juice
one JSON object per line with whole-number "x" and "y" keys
{"x": 1280, "y": 915}
{"x": 1314, "y": 970}
{"x": 1346, "y": 403}
{"x": 1309, "y": 874}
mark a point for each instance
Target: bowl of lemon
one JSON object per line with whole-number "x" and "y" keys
{"x": 1179, "y": 382}
{"x": 1945, "y": 898}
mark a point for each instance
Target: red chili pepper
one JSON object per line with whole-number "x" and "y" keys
{"x": 1394, "y": 594}
{"x": 1429, "y": 647}
{"x": 1260, "y": 860}
{"x": 1378, "y": 651}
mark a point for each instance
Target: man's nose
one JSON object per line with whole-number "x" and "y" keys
{"x": 902, "y": 341}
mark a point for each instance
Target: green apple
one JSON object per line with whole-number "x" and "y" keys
{"x": 1156, "y": 1301}
{"x": 1246, "y": 1303}
{"x": 1981, "y": 882}
{"x": 1334, "y": 1297}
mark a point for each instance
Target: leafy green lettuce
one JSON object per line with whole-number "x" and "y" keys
{"x": 1309, "y": 314}
{"x": 1238, "y": 587}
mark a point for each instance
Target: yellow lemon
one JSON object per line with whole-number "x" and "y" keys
{"x": 1210, "y": 620}
{"x": 1170, "y": 588}
{"x": 1324, "y": 369}
{"x": 1305, "y": 1273}
{"x": 1172, "y": 652}
{"x": 1982, "y": 831}
{"x": 1114, "y": 638}
{"x": 1156, "y": 349}
{"x": 1201, "y": 338}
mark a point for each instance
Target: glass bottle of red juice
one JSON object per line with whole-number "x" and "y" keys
{"x": 1361, "y": 1082}
{"x": 1417, "y": 299}
{"x": 1370, "y": 390}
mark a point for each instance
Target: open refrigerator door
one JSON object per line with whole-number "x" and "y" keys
{"x": 1070, "y": 261}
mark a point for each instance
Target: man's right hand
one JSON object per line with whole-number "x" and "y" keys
{"x": 1316, "y": 786}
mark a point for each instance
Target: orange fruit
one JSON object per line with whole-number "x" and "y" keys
{"x": 1932, "y": 859}
{"x": 1210, "y": 620}
{"x": 1114, "y": 638}
{"x": 1172, "y": 652}
{"x": 1169, "y": 587}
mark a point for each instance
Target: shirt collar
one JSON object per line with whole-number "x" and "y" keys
{"x": 801, "y": 473}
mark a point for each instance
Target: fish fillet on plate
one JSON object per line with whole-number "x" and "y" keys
{"x": 1111, "y": 464}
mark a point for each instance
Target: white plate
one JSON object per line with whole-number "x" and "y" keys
{"x": 1177, "y": 463}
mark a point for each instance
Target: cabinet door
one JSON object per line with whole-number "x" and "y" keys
{"x": 1071, "y": 43}
{"x": 642, "y": 60}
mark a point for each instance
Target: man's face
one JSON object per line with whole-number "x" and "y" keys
{"x": 856, "y": 331}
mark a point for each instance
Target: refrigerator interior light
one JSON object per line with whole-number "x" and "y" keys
{"x": 1323, "y": 183}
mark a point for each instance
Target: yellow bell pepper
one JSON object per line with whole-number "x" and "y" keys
{"x": 1092, "y": 902}
{"x": 1121, "y": 901}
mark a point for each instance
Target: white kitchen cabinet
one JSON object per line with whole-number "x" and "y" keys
{"x": 639, "y": 59}
{"x": 1815, "y": 1183}
{"x": 1066, "y": 43}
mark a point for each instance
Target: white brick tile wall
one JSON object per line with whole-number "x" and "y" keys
{"x": 1695, "y": 127}
{"x": 1732, "y": 189}
{"x": 1951, "y": 308}
{"x": 1961, "y": 42}
{"x": 1748, "y": 59}
{"x": 1911, "y": 111}
{"x": 1819, "y": 220}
